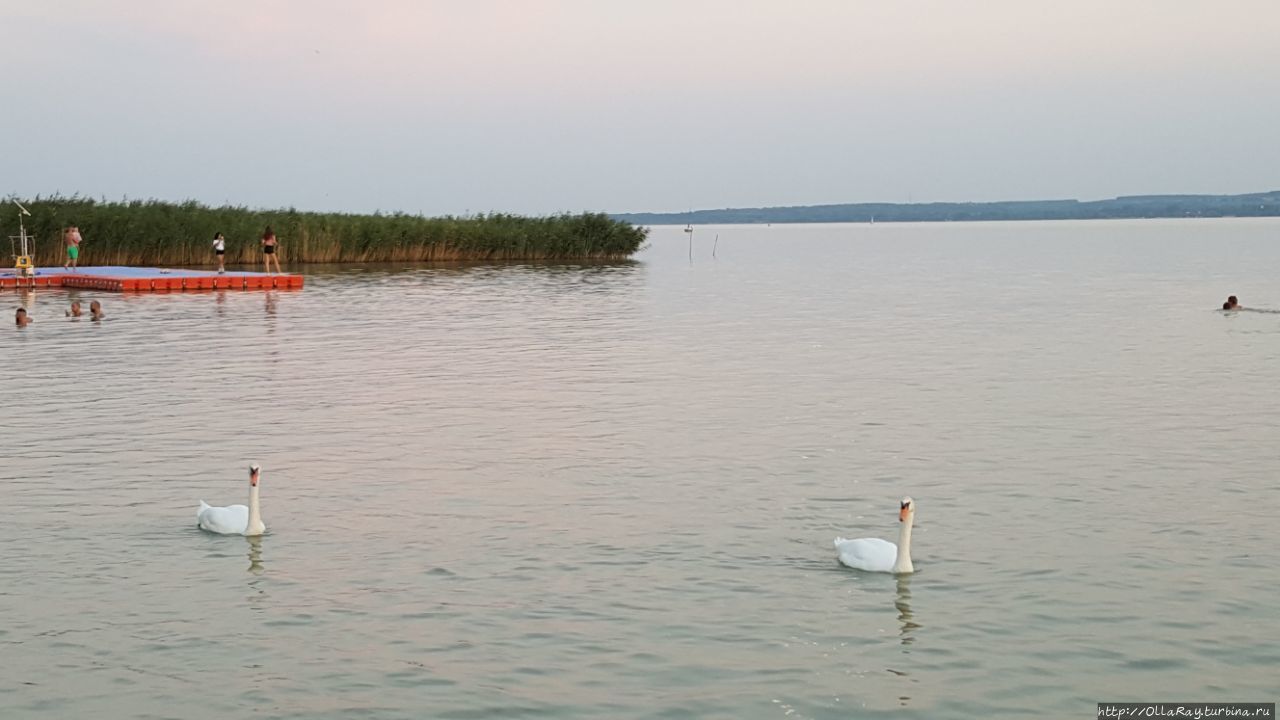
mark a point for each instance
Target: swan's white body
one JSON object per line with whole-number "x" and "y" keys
{"x": 876, "y": 555}
{"x": 234, "y": 519}
{"x": 229, "y": 520}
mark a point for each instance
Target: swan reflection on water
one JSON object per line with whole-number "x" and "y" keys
{"x": 906, "y": 634}
{"x": 255, "y": 554}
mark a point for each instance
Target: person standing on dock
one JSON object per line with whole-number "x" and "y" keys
{"x": 269, "y": 245}
{"x": 72, "y": 239}
{"x": 220, "y": 249}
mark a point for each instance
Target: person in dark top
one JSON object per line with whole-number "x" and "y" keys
{"x": 269, "y": 245}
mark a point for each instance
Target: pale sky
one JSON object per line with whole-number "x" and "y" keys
{"x": 528, "y": 106}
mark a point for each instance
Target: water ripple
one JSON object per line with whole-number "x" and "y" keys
{"x": 610, "y": 490}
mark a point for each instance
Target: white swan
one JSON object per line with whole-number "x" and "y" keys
{"x": 234, "y": 519}
{"x": 876, "y": 555}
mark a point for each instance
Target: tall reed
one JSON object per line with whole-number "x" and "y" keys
{"x": 151, "y": 232}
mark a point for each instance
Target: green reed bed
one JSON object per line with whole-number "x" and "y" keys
{"x": 159, "y": 233}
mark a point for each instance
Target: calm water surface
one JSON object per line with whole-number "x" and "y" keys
{"x": 610, "y": 490}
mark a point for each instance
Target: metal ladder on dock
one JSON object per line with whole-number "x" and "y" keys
{"x": 21, "y": 247}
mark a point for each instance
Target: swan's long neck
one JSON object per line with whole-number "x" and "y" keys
{"x": 903, "y": 562}
{"x": 255, "y": 526}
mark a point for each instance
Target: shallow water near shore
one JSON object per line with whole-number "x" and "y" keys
{"x": 610, "y": 490}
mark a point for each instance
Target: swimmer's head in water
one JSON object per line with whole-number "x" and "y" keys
{"x": 1226, "y": 306}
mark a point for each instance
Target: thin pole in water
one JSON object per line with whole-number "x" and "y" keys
{"x": 690, "y": 231}
{"x": 713, "y": 245}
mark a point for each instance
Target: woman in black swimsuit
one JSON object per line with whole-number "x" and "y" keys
{"x": 269, "y": 244}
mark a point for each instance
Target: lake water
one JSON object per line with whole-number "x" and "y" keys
{"x": 610, "y": 491}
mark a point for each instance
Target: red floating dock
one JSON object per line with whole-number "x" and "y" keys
{"x": 135, "y": 279}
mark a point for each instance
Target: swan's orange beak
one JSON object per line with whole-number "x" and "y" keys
{"x": 902, "y": 514}
{"x": 253, "y": 479}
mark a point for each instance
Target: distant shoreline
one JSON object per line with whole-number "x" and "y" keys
{"x": 1131, "y": 207}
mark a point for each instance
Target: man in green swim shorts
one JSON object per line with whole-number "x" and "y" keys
{"x": 72, "y": 238}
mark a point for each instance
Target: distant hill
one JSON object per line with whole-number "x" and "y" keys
{"x": 1265, "y": 204}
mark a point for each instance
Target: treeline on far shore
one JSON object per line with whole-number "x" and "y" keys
{"x": 1265, "y": 204}
{"x": 150, "y": 232}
